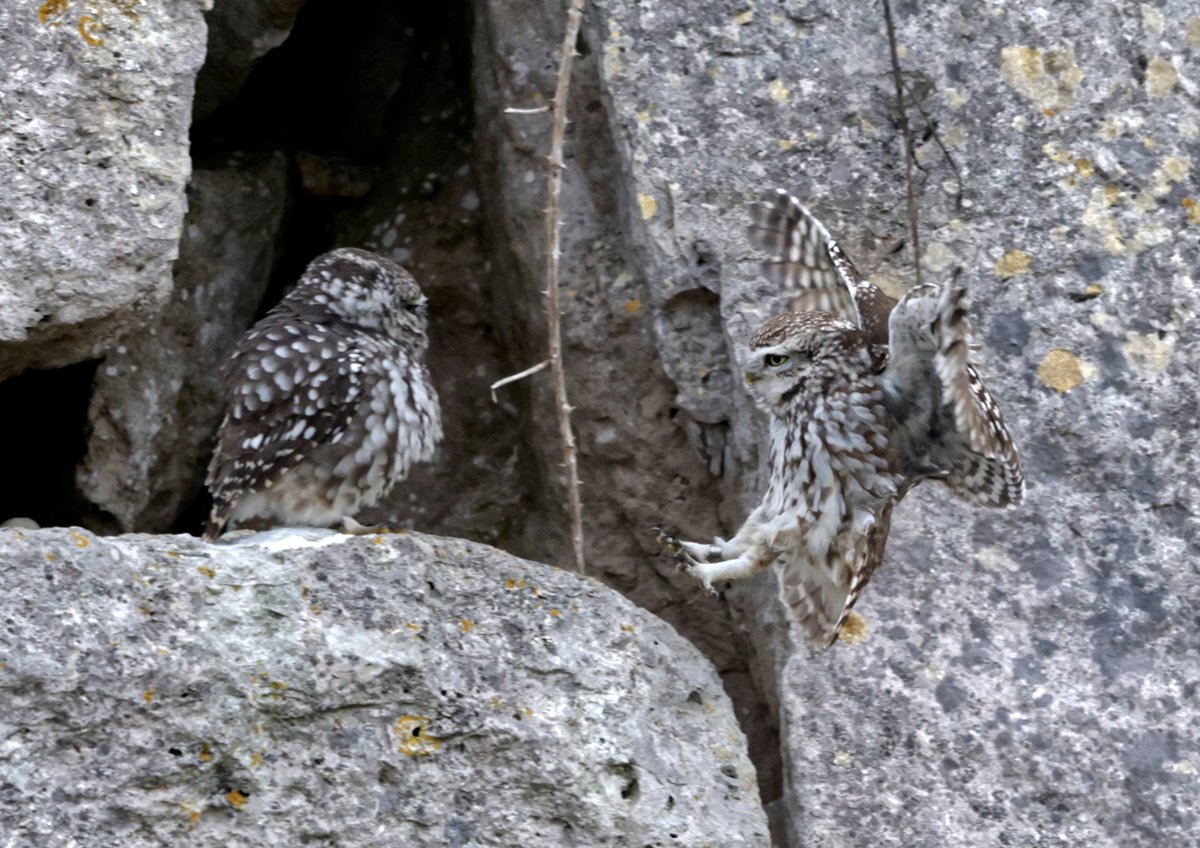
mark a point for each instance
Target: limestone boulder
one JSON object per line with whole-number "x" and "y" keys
{"x": 94, "y": 161}
{"x": 304, "y": 687}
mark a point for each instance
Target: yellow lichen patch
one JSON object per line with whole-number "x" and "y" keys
{"x": 1047, "y": 79}
{"x": 1148, "y": 354}
{"x": 527, "y": 710}
{"x": 854, "y": 630}
{"x": 79, "y": 539}
{"x": 627, "y": 628}
{"x": 843, "y": 758}
{"x": 743, "y": 18}
{"x": 205, "y": 753}
{"x": 52, "y": 9}
{"x": 1093, "y": 290}
{"x": 1161, "y": 77}
{"x": 643, "y": 117}
{"x": 1193, "y": 210}
{"x": 510, "y": 583}
{"x": 207, "y": 570}
{"x": 90, "y": 29}
{"x": 466, "y": 625}
{"x": 1149, "y": 143}
{"x": 49, "y": 557}
{"x": 1152, "y": 19}
{"x": 194, "y": 817}
{"x": 413, "y": 738}
{"x": 633, "y": 306}
{"x": 1111, "y": 129}
{"x": 496, "y": 702}
{"x": 648, "y": 205}
{"x": 1098, "y": 217}
{"x": 956, "y": 99}
{"x": 236, "y": 799}
{"x": 1013, "y": 263}
{"x": 1060, "y": 371}
{"x": 256, "y": 759}
{"x": 1174, "y": 169}
{"x": 1193, "y": 31}
{"x": 1058, "y": 154}
{"x": 786, "y": 144}
{"x": 1085, "y": 168}
{"x": 555, "y": 613}
{"x": 779, "y": 92}
{"x": 149, "y": 694}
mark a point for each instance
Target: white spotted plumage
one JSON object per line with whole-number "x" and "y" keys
{"x": 868, "y": 397}
{"x": 329, "y": 398}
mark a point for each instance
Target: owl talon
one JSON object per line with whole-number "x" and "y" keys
{"x": 669, "y": 542}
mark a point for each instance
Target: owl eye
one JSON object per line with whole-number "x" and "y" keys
{"x": 774, "y": 360}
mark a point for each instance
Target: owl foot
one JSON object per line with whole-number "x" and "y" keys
{"x": 684, "y": 560}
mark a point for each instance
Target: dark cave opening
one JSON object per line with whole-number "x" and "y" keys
{"x": 44, "y": 427}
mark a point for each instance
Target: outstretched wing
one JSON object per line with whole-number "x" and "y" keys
{"x": 819, "y": 595}
{"x": 806, "y": 258}
{"x": 954, "y": 424}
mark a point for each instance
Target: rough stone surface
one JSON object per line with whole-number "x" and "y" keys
{"x": 94, "y": 161}
{"x": 157, "y": 397}
{"x": 240, "y": 32}
{"x": 1028, "y": 677}
{"x": 305, "y": 688}
{"x": 638, "y": 447}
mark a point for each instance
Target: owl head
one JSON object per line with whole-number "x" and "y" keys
{"x": 365, "y": 290}
{"x": 803, "y": 353}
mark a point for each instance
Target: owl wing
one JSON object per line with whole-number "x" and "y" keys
{"x": 988, "y": 471}
{"x": 804, "y": 257}
{"x": 819, "y": 595}
{"x": 929, "y": 366}
{"x": 291, "y": 388}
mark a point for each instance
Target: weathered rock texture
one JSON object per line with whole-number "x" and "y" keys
{"x": 302, "y": 689}
{"x": 93, "y": 160}
{"x": 1028, "y": 676}
{"x": 240, "y": 32}
{"x": 157, "y": 399}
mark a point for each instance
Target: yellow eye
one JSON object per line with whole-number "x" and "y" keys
{"x": 774, "y": 360}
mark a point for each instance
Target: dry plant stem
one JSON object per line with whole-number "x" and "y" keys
{"x": 908, "y": 142}
{"x": 512, "y": 378}
{"x": 553, "y": 316}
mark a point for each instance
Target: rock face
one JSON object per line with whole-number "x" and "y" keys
{"x": 240, "y": 32}
{"x": 94, "y": 160}
{"x": 1025, "y": 673}
{"x": 399, "y": 690}
{"x": 157, "y": 399}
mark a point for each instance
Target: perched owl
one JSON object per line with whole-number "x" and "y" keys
{"x": 868, "y": 397}
{"x": 329, "y": 400}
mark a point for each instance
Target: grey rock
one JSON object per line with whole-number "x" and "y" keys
{"x": 93, "y": 160}
{"x": 301, "y": 687}
{"x": 240, "y": 32}
{"x": 1028, "y": 676}
{"x": 645, "y": 456}
{"x": 157, "y": 397}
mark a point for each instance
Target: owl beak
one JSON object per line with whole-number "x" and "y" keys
{"x": 750, "y": 377}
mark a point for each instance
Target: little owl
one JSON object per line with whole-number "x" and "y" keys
{"x": 329, "y": 401}
{"x": 867, "y": 397}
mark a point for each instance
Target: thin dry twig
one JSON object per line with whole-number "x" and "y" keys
{"x": 512, "y": 378}
{"x": 554, "y": 321}
{"x": 533, "y": 110}
{"x": 909, "y": 156}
